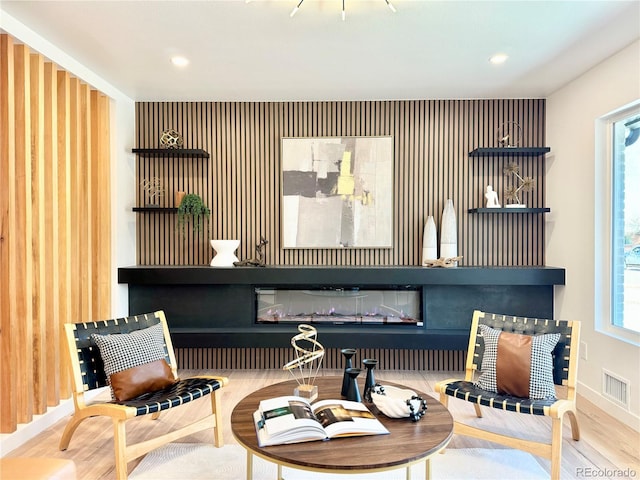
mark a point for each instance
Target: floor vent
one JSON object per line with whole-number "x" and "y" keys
{"x": 615, "y": 388}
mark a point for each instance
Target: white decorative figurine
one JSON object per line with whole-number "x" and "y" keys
{"x": 492, "y": 198}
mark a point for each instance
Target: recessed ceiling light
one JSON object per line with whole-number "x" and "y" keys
{"x": 180, "y": 61}
{"x": 499, "y": 58}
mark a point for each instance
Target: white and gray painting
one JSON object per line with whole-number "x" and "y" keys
{"x": 337, "y": 192}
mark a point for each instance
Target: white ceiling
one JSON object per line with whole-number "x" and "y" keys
{"x": 254, "y": 51}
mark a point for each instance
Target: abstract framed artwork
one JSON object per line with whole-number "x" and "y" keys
{"x": 337, "y": 192}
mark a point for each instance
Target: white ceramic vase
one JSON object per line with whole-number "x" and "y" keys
{"x": 448, "y": 232}
{"x": 224, "y": 252}
{"x": 429, "y": 241}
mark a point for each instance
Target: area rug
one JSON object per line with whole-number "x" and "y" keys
{"x": 178, "y": 461}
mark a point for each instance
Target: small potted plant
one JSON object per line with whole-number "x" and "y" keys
{"x": 192, "y": 208}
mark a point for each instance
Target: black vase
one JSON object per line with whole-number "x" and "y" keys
{"x": 370, "y": 382}
{"x": 348, "y": 353}
{"x": 353, "y": 392}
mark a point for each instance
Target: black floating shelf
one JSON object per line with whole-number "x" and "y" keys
{"x": 504, "y": 151}
{"x": 155, "y": 209}
{"x": 509, "y": 210}
{"x": 171, "y": 152}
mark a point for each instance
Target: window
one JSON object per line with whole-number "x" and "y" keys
{"x": 621, "y": 314}
{"x": 626, "y": 222}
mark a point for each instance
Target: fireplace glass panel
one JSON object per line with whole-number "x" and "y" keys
{"x": 339, "y": 306}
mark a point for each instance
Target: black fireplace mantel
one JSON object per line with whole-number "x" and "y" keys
{"x": 215, "y": 307}
{"x": 321, "y": 275}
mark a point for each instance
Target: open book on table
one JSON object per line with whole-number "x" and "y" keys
{"x": 292, "y": 419}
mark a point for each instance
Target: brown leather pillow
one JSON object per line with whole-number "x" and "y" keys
{"x": 148, "y": 377}
{"x": 517, "y": 364}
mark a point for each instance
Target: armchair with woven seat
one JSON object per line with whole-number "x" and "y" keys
{"x": 520, "y": 361}
{"x": 134, "y": 357}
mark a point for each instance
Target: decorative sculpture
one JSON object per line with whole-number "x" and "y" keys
{"x": 509, "y": 134}
{"x": 513, "y": 192}
{"x": 443, "y": 262}
{"x": 303, "y": 363}
{"x": 171, "y": 139}
{"x": 492, "y": 197}
{"x": 259, "y": 261}
{"x": 154, "y": 189}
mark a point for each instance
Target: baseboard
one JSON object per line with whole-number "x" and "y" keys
{"x": 609, "y": 407}
{"x": 27, "y": 431}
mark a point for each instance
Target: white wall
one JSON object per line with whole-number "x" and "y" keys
{"x": 573, "y": 236}
{"x": 122, "y": 160}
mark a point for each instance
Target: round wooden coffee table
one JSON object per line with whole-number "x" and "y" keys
{"x": 409, "y": 442}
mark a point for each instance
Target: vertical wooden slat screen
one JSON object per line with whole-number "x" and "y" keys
{"x": 23, "y": 260}
{"x": 54, "y": 206}
{"x": 241, "y": 182}
{"x": 8, "y": 317}
{"x": 273, "y": 358}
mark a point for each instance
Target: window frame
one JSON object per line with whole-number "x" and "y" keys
{"x": 605, "y": 267}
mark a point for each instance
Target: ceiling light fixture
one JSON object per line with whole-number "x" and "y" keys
{"x": 297, "y": 7}
{"x": 498, "y": 58}
{"x": 180, "y": 61}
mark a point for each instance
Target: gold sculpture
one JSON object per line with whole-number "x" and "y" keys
{"x": 154, "y": 189}
{"x": 302, "y": 367}
{"x": 512, "y": 192}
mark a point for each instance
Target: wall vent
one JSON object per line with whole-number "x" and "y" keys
{"x": 615, "y": 388}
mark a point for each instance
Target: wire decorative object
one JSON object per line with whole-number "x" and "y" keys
{"x": 509, "y": 134}
{"x": 305, "y": 366}
{"x": 524, "y": 184}
{"x": 154, "y": 189}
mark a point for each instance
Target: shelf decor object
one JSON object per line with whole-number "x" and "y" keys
{"x": 154, "y": 190}
{"x": 509, "y": 134}
{"x": 302, "y": 366}
{"x": 171, "y": 139}
{"x": 448, "y": 232}
{"x": 524, "y": 184}
{"x": 429, "y": 241}
{"x": 192, "y": 208}
{"x": 224, "y": 253}
{"x": 492, "y": 197}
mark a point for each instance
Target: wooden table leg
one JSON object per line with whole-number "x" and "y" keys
{"x": 427, "y": 475}
{"x": 280, "y": 477}
{"x": 408, "y": 474}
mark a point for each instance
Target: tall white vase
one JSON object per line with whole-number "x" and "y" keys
{"x": 225, "y": 252}
{"x": 429, "y": 241}
{"x": 449, "y": 232}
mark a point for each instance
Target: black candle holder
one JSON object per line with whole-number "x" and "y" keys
{"x": 348, "y": 353}
{"x": 370, "y": 382}
{"x": 353, "y": 392}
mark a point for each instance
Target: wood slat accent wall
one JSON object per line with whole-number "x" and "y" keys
{"x": 275, "y": 358}
{"x": 54, "y": 225}
{"x": 241, "y": 182}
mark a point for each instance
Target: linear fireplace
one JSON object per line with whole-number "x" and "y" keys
{"x": 339, "y": 306}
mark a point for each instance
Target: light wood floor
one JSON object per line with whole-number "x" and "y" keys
{"x": 605, "y": 445}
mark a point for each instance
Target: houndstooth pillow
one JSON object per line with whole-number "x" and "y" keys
{"x": 519, "y": 365}
{"x": 128, "y": 352}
